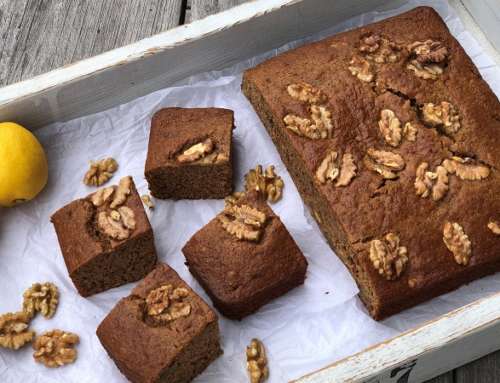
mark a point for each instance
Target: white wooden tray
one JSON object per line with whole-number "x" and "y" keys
{"x": 219, "y": 41}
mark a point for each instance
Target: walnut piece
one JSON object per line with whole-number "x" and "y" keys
{"x": 390, "y": 127}
{"x": 244, "y": 222}
{"x": 457, "y": 242}
{"x": 122, "y": 192}
{"x": 257, "y": 362}
{"x": 100, "y": 171}
{"x": 361, "y": 68}
{"x": 14, "y": 331}
{"x": 330, "y": 170}
{"x": 318, "y": 127}
{"x": 41, "y": 297}
{"x": 166, "y": 304}
{"x": 428, "y": 51}
{"x": 466, "y": 168}
{"x": 431, "y": 183}
{"x": 100, "y": 197}
{"x": 379, "y": 49}
{"x": 494, "y": 226}
{"x": 386, "y": 163}
{"x": 197, "y": 151}
{"x": 146, "y": 199}
{"x": 55, "y": 348}
{"x": 117, "y": 224}
{"x": 234, "y": 198}
{"x": 305, "y": 92}
{"x": 427, "y": 59}
{"x": 410, "y": 132}
{"x": 427, "y": 72}
{"x": 443, "y": 116}
{"x": 388, "y": 257}
{"x": 268, "y": 183}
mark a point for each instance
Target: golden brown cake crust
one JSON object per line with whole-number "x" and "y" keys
{"x": 370, "y": 207}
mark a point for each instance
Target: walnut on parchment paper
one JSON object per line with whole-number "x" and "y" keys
{"x": 258, "y": 370}
{"x": 388, "y": 257}
{"x": 117, "y": 224}
{"x": 41, "y": 297}
{"x": 386, "y": 163}
{"x": 361, "y": 68}
{"x": 305, "y": 92}
{"x": 197, "y": 151}
{"x": 55, "y": 348}
{"x": 14, "y": 332}
{"x": 166, "y": 303}
{"x": 146, "y": 200}
{"x": 457, "y": 242}
{"x": 466, "y": 168}
{"x": 431, "y": 183}
{"x": 267, "y": 183}
{"x": 443, "y": 116}
{"x": 494, "y": 226}
{"x": 243, "y": 222}
{"x": 330, "y": 170}
{"x": 100, "y": 171}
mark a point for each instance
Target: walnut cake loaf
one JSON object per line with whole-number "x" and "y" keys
{"x": 392, "y": 138}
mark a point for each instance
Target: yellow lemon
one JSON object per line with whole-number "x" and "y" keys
{"x": 23, "y": 165}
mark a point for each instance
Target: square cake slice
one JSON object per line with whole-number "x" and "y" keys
{"x": 163, "y": 332}
{"x": 392, "y": 139}
{"x": 245, "y": 257}
{"x": 105, "y": 238}
{"x": 189, "y": 153}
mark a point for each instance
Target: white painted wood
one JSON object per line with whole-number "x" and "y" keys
{"x": 214, "y": 42}
{"x": 440, "y": 345}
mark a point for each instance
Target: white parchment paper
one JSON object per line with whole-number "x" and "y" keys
{"x": 306, "y": 329}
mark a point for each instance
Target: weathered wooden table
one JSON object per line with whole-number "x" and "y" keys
{"x": 40, "y": 35}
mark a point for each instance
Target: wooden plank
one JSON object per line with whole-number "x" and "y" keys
{"x": 484, "y": 370}
{"x": 41, "y": 35}
{"x": 445, "y": 378}
{"x": 203, "y": 8}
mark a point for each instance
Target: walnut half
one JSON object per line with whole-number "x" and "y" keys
{"x": 42, "y": 297}
{"x": 386, "y": 163}
{"x": 431, "y": 183}
{"x": 305, "y": 92}
{"x": 466, "y": 168}
{"x": 166, "y": 303}
{"x": 196, "y": 152}
{"x": 443, "y": 116}
{"x": 100, "y": 171}
{"x": 330, "y": 170}
{"x": 117, "y": 224}
{"x": 244, "y": 222}
{"x": 457, "y": 242}
{"x": 267, "y": 183}
{"x": 427, "y": 59}
{"x": 361, "y": 68}
{"x": 257, "y": 362}
{"x": 14, "y": 332}
{"x": 388, "y": 257}
{"x": 319, "y": 126}
{"x": 390, "y": 127}
{"x": 494, "y": 226}
{"x": 55, "y": 348}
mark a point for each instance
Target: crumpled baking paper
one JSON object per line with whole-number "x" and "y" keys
{"x": 307, "y": 329}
